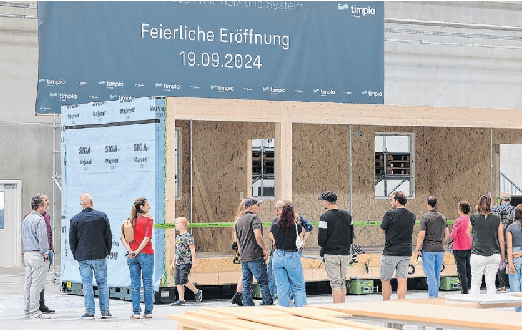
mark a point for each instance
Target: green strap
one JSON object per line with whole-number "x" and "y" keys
{"x": 265, "y": 224}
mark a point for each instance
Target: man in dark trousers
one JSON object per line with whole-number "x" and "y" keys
{"x": 90, "y": 239}
{"x": 397, "y": 226}
{"x": 335, "y": 240}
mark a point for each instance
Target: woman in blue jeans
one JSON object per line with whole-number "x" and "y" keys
{"x": 514, "y": 252}
{"x": 286, "y": 264}
{"x": 140, "y": 257}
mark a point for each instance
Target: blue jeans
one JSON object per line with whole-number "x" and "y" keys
{"x": 432, "y": 265}
{"x": 141, "y": 266}
{"x": 289, "y": 278}
{"x": 99, "y": 267}
{"x": 515, "y": 280}
{"x": 271, "y": 279}
{"x": 258, "y": 269}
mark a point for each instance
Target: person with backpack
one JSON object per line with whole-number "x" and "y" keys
{"x": 140, "y": 256}
{"x": 506, "y": 212}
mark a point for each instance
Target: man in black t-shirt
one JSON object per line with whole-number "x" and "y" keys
{"x": 335, "y": 239}
{"x": 397, "y": 226}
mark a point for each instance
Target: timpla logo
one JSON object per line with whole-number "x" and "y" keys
{"x": 324, "y": 92}
{"x": 274, "y": 90}
{"x": 112, "y": 84}
{"x": 222, "y": 89}
{"x": 65, "y": 96}
{"x": 54, "y": 82}
{"x": 170, "y": 87}
{"x": 129, "y": 98}
{"x": 372, "y": 94}
{"x": 356, "y": 11}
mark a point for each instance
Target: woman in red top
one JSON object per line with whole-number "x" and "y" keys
{"x": 141, "y": 257}
{"x": 462, "y": 246}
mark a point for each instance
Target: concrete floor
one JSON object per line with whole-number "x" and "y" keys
{"x": 69, "y": 308}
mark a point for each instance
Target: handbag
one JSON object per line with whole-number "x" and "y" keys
{"x": 298, "y": 240}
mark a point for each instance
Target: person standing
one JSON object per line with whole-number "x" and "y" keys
{"x": 287, "y": 267}
{"x": 184, "y": 262}
{"x": 506, "y": 212}
{"x": 433, "y": 234}
{"x": 43, "y": 308}
{"x": 278, "y": 208}
{"x": 36, "y": 257}
{"x": 335, "y": 240}
{"x": 90, "y": 240}
{"x": 237, "y": 298}
{"x": 487, "y": 249}
{"x": 397, "y": 228}
{"x": 249, "y": 232}
{"x": 462, "y": 246}
{"x": 140, "y": 257}
{"x": 514, "y": 252}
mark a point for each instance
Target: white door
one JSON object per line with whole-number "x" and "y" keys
{"x": 10, "y": 223}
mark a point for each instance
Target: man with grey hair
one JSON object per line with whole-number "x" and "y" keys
{"x": 36, "y": 256}
{"x": 90, "y": 240}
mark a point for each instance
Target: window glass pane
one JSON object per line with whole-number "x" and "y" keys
{"x": 2, "y": 208}
{"x": 263, "y": 168}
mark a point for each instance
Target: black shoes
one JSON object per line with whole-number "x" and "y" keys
{"x": 46, "y": 310}
{"x": 237, "y": 299}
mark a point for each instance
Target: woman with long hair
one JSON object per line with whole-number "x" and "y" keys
{"x": 462, "y": 246}
{"x": 514, "y": 252}
{"x": 238, "y": 295}
{"x": 140, "y": 257}
{"x": 287, "y": 267}
{"x": 487, "y": 249}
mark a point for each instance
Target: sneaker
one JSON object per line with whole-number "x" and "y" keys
{"x": 46, "y": 310}
{"x": 39, "y": 316}
{"x": 502, "y": 289}
{"x": 135, "y": 316}
{"x": 178, "y": 303}
{"x": 199, "y": 296}
{"x": 147, "y": 316}
{"x": 107, "y": 315}
{"x": 237, "y": 299}
{"x": 88, "y": 316}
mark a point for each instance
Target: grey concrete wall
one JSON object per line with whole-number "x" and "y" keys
{"x": 445, "y": 72}
{"x": 26, "y": 140}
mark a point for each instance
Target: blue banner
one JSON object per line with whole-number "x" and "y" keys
{"x": 260, "y": 50}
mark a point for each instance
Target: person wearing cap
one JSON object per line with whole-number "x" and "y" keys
{"x": 335, "y": 239}
{"x": 506, "y": 212}
{"x": 249, "y": 232}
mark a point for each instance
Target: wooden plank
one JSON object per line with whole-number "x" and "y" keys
{"x": 342, "y": 113}
{"x": 404, "y": 312}
{"x": 195, "y": 322}
{"x": 324, "y": 315}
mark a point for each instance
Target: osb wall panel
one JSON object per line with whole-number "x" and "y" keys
{"x": 219, "y": 177}
{"x": 451, "y": 164}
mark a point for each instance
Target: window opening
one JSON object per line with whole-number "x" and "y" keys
{"x": 394, "y": 166}
{"x": 263, "y": 168}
